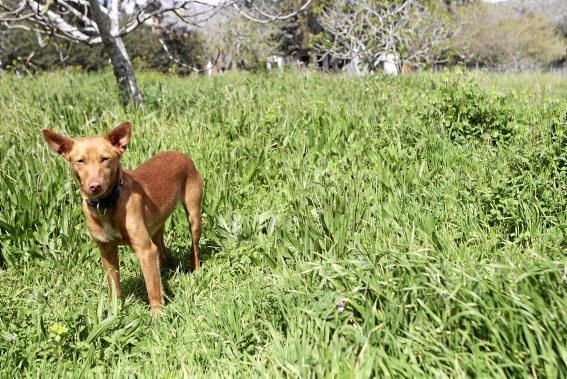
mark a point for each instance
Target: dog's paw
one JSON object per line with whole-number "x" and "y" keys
{"x": 156, "y": 311}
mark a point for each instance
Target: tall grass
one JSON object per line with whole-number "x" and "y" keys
{"x": 410, "y": 227}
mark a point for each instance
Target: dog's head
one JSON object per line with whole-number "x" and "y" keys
{"x": 95, "y": 160}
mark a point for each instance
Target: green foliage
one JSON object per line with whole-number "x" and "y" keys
{"x": 466, "y": 110}
{"x": 499, "y": 37}
{"x": 350, "y": 229}
{"x": 186, "y": 47}
{"x": 21, "y": 52}
{"x": 530, "y": 190}
{"x": 532, "y": 181}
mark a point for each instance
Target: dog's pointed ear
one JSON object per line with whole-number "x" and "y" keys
{"x": 60, "y": 144}
{"x": 120, "y": 136}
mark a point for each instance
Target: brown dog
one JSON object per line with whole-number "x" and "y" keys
{"x": 130, "y": 207}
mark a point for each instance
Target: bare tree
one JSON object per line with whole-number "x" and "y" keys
{"x": 106, "y": 22}
{"x": 373, "y": 31}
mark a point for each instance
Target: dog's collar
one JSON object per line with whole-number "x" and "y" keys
{"x": 109, "y": 201}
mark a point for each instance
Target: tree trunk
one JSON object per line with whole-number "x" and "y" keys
{"x": 123, "y": 71}
{"x": 108, "y": 28}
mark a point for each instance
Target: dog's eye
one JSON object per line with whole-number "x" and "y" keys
{"x": 81, "y": 161}
{"x": 105, "y": 159}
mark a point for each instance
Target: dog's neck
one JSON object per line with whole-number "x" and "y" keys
{"x": 110, "y": 199}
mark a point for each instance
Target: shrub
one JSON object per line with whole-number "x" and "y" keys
{"x": 465, "y": 110}
{"x": 497, "y": 37}
{"x": 526, "y": 190}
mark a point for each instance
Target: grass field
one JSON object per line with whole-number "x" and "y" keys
{"x": 411, "y": 226}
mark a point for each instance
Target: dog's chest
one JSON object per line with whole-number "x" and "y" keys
{"x": 105, "y": 232}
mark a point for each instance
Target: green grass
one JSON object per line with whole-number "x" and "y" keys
{"x": 410, "y": 226}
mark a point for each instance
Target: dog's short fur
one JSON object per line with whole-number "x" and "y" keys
{"x": 140, "y": 205}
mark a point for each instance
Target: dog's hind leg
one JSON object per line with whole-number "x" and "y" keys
{"x": 192, "y": 198}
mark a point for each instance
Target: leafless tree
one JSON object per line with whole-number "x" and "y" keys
{"x": 106, "y": 22}
{"x": 369, "y": 31}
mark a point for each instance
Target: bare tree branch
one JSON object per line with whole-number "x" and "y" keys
{"x": 106, "y": 22}
{"x": 371, "y": 30}
{"x": 183, "y": 64}
{"x": 69, "y": 19}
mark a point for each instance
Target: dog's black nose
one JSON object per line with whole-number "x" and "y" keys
{"x": 95, "y": 186}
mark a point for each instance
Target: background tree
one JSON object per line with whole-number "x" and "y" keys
{"x": 552, "y": 10}
{"x": 369, "y": 30}
{"x": 238, "y": 42}
{"x": 21, "y": 52}
{"x": 106, "y": 22}
{"x": 501, "y": 37}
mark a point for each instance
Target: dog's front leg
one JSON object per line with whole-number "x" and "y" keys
{"x": 110, "y": 262}
{"x": 148, "y": 253}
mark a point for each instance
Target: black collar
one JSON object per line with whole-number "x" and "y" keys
{"x": 109, "y": 201}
